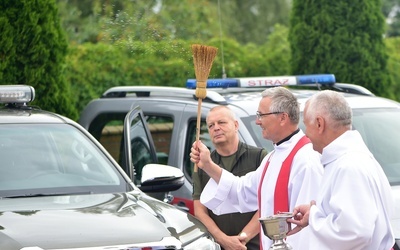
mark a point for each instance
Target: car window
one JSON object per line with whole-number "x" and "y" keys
{"x": 57, "y": 157}
{"x": 107, "y": 128}
{"x": 256, "y": 133}
{"x": 204, "y": 136}
{"x": 380, "y": 131}
{"x": 161, "y": 130}
{"x": 140, "y": 144}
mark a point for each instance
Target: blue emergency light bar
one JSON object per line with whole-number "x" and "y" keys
{"x": 267, "y": 81}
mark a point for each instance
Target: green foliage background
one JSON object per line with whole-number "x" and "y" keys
{"x": 132, "y": 44}
{"x": 93, "y": 68}
{"x": 32, "y": 51}
{"x": 341, "y": 37}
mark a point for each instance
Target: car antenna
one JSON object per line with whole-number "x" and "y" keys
{"x": 220, "y": 38}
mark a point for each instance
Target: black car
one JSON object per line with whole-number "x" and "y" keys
{"x": 60, "y": 189}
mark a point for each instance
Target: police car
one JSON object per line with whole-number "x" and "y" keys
{"x": 171, "y": 114}
{"x": 60, "y": 189}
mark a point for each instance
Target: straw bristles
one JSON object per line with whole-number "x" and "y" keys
{"x": 203, "y": 57}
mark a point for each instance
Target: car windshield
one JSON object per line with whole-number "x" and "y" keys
{"x": 379, "y": 128}
{"x": 53, "y": 159}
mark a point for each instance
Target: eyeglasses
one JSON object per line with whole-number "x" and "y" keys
{"x": 259, "y": 115}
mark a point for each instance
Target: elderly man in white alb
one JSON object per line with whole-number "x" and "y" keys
{"x": 288, "y": 176}
{"x": 353, "y": 208}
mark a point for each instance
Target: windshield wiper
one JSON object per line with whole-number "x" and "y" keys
{"x": 43, "y": 195}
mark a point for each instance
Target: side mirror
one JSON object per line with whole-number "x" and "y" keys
{"x": 161, "y": 178}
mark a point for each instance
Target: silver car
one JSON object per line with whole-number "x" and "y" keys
{"x": 171, "y": 114}
{"x": 60, "y": 189}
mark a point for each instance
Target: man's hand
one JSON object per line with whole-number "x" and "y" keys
{"x": 233, "y": 242}
{"x": 200, "y": 154}
{"x": 300, "y": 217}
{"x": 194, "y": 153}
{"x": 243, "y": 238}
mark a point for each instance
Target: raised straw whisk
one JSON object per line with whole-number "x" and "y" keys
{"x": 203, "y": 57}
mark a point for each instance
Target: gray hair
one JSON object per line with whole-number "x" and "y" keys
{"x": 283, "y": 100}
{"x": 331, "y": 105}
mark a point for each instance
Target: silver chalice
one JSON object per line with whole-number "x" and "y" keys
{"x": 275, "y": 228}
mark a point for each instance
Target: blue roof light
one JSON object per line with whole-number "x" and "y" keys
{"x": 321, "y": 79}
{"x": 215, "y": 83}
{"x": 265, "y": 81}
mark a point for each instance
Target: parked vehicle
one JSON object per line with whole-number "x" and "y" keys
{"x": 171, "y": 114}
{"x": 61, "y": 189}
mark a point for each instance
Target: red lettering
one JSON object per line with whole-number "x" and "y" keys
{"x": 267, "y": 82}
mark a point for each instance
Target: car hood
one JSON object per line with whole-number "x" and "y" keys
{"x": 91, "y": 221}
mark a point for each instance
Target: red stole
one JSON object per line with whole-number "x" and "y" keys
{"x": 281, "y": 196}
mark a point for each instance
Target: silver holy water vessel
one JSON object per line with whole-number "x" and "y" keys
{"x": 275, "y": 228}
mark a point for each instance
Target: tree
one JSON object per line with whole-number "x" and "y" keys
{"x": 341, "y": 37}
{"x": 253, "y": 20}
{"x": 391, "y": 11}
{"x": 110, "y": 21}
{"x": 392, "y": 45}
{"x": 80, "y": 20}
{"x": 33, "y": 50}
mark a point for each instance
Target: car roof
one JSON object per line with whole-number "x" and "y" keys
{"x": 245, "y": 99}
{"x": 16, "y": 108}
{"x": 249, "y": 101}
{"x": 19, "y": 115}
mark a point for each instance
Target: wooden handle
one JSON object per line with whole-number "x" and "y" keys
{"x": 198, "y": 126}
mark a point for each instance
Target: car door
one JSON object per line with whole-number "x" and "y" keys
{"x": 138, "y": 145}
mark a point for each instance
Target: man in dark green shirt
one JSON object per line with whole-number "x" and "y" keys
{"x": 239, "y": 158}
